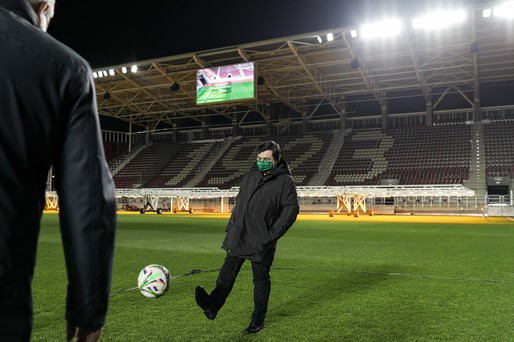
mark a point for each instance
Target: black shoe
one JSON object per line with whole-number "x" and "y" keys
{"x": 205, "y": 302}
{"x": 254, "y": 327}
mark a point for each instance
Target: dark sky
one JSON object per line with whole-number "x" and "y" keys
{"x": 110, "y": 32}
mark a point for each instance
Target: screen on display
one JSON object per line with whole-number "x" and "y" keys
{"x": 225, "y": 83}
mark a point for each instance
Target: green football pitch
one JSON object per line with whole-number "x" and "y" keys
{"x": 230, "y": 92}
{"x": 376, "y": 278}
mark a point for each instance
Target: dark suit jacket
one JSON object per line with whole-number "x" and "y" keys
{"x": 48, "y": 116}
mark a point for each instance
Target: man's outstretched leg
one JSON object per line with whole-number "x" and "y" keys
{"x": 212, "y": 303}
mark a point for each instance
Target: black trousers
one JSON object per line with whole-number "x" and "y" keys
{"x": 261, "y": 285}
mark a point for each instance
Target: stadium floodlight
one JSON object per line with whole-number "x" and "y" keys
{"x": 95, "y": 75}
{"x": 111, "y": 72}
{"x": 100, "y": 74}
{"x": 133, "y": 68}
{"x": 124, "y": 70}
{"x": 330, "y": 37}
{"x": 439, "y": 19}
{"x": 505, "y": 10}
{"x": 383, "y": 29}
{"x": 486, "y": 13}
{"x": 105, "y": 73}
{"x": 353, "y": 33}
{"x": 319, "y": 39}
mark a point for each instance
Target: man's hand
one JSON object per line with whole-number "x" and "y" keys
{"x": 80, "y": 334}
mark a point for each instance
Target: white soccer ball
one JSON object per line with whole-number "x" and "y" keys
{"x": 154, "y": 281}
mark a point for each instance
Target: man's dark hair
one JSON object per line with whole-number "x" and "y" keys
{"x": 270, "y": 145}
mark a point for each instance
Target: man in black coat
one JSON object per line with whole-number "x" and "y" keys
{"x": 49, "y": 116}
{"x": 266, "y": 207}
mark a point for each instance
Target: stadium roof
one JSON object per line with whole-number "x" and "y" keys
{"x": 310, "y": 78}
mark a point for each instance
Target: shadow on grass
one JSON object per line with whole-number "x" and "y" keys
{"x": 327, "y": 286}
{"x": 310, "y": 299}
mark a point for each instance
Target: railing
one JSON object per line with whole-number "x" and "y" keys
{"x": 500, "y": 200}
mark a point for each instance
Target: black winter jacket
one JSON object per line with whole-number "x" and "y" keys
{"x": 266, "y": 207}
{"x": 48, "y": 115}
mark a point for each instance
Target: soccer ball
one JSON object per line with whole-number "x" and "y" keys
{"x": 154, "y": 281}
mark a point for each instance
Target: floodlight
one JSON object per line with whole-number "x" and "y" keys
{"x": 100, "y": 74}
{"x": 486, "y": 13}
{"x": 124, "y": 70}
{"x": 111, "y": 72}
{"x": 330, "y": 37}
{"x": 439, "y": 19}
{"x": 95, "y": 75}
{"x": 353, "y": 33}
{"x": 384, "y": 29}
{"x": 505, "y": 10}
{"x": 105, "y": 73}
{"x": 133, "y": 68}
{"x": 319, "y": 39}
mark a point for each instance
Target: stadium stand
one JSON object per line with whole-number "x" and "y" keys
{"x": 120, "y": 159}
{"x": 303, "y": 153}
{"x": 147, "y": 164}
{"x": 421, "y": 155}
{"x": 233, "y": 164}
{"x": 185, "y": 165}
{"x": 499, "y": 149}
{"x": 114, "y": 149}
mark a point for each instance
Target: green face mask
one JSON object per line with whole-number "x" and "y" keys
{"x": 264, "y": 165}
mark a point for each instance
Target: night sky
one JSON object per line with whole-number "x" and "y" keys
{"x": 111, "y": 32}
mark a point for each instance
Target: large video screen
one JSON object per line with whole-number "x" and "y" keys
{"x": 225, "y": 83}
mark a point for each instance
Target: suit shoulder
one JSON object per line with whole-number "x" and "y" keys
{"x": 41, "y": 45}
{"x": 65, "y": 55}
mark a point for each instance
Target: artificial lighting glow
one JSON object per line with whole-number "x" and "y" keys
{"x": 330, "y": 37}
{"x": 100, "y": 74}
{"x": 383, "y": 29}
{"x": 353, "y": 33}
{"x": 486, "y": 13}
{"x": 111, "y": 72}
{"x": 124, "y": 70}
{"x": 134, "y": 68}
{"x": 439, "y": 19}
{"x": 505, "y": 10}
{"x": 319, "y": 39}
{"x": 105, "y": 73}
{"x": 95, "y": 75}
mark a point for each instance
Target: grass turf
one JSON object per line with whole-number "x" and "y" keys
{"x": 334, "y": 279}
